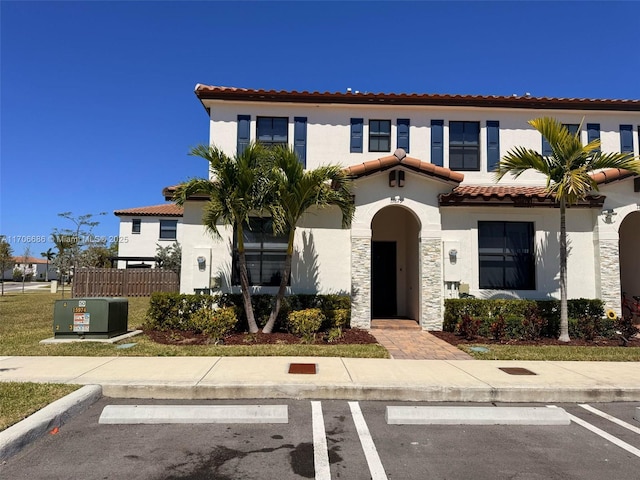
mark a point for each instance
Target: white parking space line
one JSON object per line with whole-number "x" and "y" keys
{"x": 320, "y": 451}
{"x": 616, "y": 441}
{"x": 611, "y": 418}
{"x": 370, "y": 452}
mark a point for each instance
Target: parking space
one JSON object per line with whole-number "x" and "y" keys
{"x": 336, "y": 439}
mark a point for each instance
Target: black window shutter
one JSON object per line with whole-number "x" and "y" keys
{"x": 300, "y": 138}
{"x": 493, "y": 145}
{"x": 403, "y": 134}
{"x": 356, "y": 135}
{"x": 593, "y": 132}
{"x": 546, "y": 148}
{"x": 437, "y": 151}
{"x": 626, "y": 138}
{"x": 244, "y": 122}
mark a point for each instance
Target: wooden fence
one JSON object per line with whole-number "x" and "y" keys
{"x": 112, "y": 282}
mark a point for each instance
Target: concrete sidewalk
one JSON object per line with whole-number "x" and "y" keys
{"x": 336, "y": 378}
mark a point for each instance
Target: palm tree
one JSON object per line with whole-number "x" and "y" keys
{"x": 238, "y": 187}
{"x": 49, "y": 255}
{"x": 297, "y": 191}
{"x": 568, "y": 171}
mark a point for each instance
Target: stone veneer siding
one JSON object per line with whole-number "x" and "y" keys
{"x": 361, "y": 282}
{"x": 610, "y": 274}
{"x": 431, "y": 282}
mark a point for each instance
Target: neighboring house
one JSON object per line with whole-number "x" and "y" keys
{"x": 142, "y": 229}
{"x": 430, "y": 221}
{"x": 37, "y": 267}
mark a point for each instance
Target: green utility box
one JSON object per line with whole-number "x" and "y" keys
{"x": 90, "y": 317}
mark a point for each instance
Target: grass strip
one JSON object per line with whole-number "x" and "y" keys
{"x": 554, "y": 353}
{"x": 19, "y": 400}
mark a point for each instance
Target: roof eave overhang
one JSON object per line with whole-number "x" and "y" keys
{"x": 517, "y": 201}
{"x": 526, "y": 102}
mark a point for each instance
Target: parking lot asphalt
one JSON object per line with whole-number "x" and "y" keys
{"x": 337, "y": 439}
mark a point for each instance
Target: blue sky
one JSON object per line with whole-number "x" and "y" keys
{"x": 97, "y": 110}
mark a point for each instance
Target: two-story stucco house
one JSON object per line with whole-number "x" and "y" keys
{"x": 430, "y": 221}
{"x": 142, "y": 229}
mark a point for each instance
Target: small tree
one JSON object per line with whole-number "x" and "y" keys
{"x": 6, "y": 257}
{"x": 170, "y": 257}
{"x": 26, "y": 256}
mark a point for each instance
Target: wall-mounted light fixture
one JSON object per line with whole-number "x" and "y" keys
{"x": 202, "y": 264}
{"x": 397, "y": 199}
{"x": 453, "y": 255}
{"x": 608, "y": 215}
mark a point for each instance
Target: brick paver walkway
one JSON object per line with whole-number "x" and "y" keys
{"x": 404, "y": 339}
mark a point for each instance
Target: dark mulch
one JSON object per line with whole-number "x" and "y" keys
{"x": 350, "y": 336}
{"x": 454, "y": 339}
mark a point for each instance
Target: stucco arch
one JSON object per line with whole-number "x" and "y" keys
{"x": 629, "y": 241}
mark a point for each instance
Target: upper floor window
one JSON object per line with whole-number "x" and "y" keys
{"x": 464, "y": 146}
{"x": 506, "y": 255}
{"x": 379, "y": 135}
{"x": 265, "y": 253}
{"x": 135, "y": 225}
{"x": 546, "y": 148}
{"x": 272, "y": 130}
{"x": 168, "y": 229}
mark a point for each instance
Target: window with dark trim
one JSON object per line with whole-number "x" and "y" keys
{"x": 546, "y": 148}
{"x": 464, "y": 146}
{"x": 379, "y": 135}
{"x": 168, "y": 229}
{"x": 272, "y": 130}
{"x": 135, "y": 225}
{"x": 265, "y": 253}
{"x": 506, "y": 255}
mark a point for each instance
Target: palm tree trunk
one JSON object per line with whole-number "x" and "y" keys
{"x": 564, "y": 315}
{"x": 268, "y": 328}
{"x": 244, "y": 283}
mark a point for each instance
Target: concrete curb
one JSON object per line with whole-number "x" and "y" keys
{"x": 16, "y": 437}
{"x": 428, "y": 393}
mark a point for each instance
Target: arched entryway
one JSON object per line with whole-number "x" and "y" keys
{"x": 629, "y": 237}
{"x": 395, "y": 264}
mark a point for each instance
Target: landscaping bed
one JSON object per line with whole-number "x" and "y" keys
{"x": 350, "y": 336}
{"x": 455, "y": 339}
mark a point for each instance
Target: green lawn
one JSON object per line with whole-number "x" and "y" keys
{"x": 554, "y": 352}
{"x": 19, "y": 400}
{"x": 27, "y": 318}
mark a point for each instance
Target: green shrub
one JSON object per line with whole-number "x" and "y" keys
{"x": 216, "y": 323}
{"x": 174, "y": 310}
{"x": 334, "y": 334}
{"x": 337, "y": 318}
{"x": 305, "y": 322}
{"x": 625, "y": 326}
{"x": 468, "y": 327}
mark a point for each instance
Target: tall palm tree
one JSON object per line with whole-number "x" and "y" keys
{"x": 568, "y": 171}
{"x": 49, "y": 255}
{"x": 238, "y": 187}
{"x": 297, "y": 191}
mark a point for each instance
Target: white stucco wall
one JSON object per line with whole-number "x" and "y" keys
{"x": 143, "y": 244}
{"x": 328, "y": 129}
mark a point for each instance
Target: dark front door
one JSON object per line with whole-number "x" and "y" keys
{"x": 383, "y": 279}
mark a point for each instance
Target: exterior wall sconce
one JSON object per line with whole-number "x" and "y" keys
{"x": 202, "y": 264}
{"x": 608, "y": 215}
{"x": 397, "y": 199}
{"x": 396, "y": 178}
{"x": 453, "y": 255}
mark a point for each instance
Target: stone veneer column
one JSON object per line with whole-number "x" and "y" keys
{"x": 610, "y": 274}
{"x": 361, "y": 282}
{"x": 431, "y": 283}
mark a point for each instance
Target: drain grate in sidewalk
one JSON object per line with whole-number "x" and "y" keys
{"x": 516, "y": 371}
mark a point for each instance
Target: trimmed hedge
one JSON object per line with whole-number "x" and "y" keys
{"x": 174, "y": 310}
{"x": 526, "y": 319}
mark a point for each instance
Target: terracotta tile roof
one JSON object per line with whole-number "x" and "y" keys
{"x": 500, "y": 195}
{"x": 170, "y": 191}
{"x": 204, "y": 92}
{"x": 164, "y": 210}
{"x": 611, "y": 175}
{"x": 20, "y": 260}
{"x": 400, "y": 158}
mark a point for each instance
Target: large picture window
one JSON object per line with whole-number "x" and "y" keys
{"x": 264, "y": 251}
{"x": 506, "y": 254}
{"x": 272, "y": 130}
{"x": 464, "y": 146}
